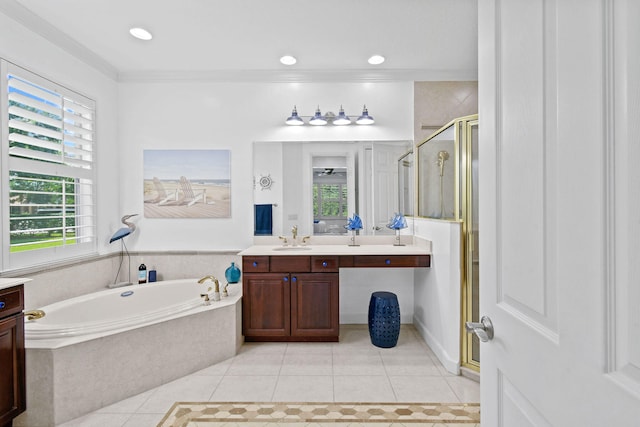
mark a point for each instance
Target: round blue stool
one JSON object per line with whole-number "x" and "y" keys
{"x": 384, "y": 319}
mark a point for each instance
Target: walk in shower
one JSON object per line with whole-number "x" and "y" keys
{"x": 448, "y": 190}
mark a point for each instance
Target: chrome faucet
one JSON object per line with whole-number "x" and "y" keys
{"x": 216, "y": 288}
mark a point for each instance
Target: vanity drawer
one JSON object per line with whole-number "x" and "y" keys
{"x": 290, "y": 263}
{"x": 11, "y": 301}
{"x": 324, "y": 264}
{"x": 255, "y": 264}
{"x": 391, "y": 261}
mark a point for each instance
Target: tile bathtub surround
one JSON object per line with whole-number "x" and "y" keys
{"x": 303, "y": 372}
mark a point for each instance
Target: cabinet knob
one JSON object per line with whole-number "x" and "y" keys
{"x": 255, "y": 263}
{"x": 286, "y": 279}
{"x": 2, "y": 305}
{"x": 294, "y": 279}
{"x": 387, "y": 261}
{"x": 324, "y": 263}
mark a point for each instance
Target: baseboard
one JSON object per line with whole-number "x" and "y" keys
{"x": 449, "y": 363}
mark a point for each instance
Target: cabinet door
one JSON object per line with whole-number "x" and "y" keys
{"x": 266, "y": 302}
{"x": 314, "y": 305}
{"x": 12, "y": 374}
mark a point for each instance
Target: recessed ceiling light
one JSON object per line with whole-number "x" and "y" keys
{"x": 288, "y": 60}
{"x": 140, "y": 33}
{"x": 376, "y": 60}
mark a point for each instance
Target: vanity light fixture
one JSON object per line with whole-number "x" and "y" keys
{"x": 288, "y": 60}
{"x": 376, "y": 59}
{"x": 318, "y": 119}
{"x": 341, "y": 119}
{"x": 140, "y": 33}
{"x": 365, "y": 118}
{"x": 294, "y": 119}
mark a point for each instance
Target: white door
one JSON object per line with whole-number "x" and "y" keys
{"x": 385, "y": 185}
{"x": 559, "y": 111}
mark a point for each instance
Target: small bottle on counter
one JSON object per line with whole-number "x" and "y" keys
{"x": 153, "y": 275}
{"x": 142, "y": 273}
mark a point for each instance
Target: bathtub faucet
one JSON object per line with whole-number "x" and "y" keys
{"x": 216, "y": 286}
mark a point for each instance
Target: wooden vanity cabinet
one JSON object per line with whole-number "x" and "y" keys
{"x": 12, "y": 355}
{"x": 290, "y": 298}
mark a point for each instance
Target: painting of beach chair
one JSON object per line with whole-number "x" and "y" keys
{"x": 189, "y": 195}
{"x": 162, "y": 196}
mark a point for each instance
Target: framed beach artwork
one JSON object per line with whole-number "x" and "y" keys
{"x": 187, "y": 183}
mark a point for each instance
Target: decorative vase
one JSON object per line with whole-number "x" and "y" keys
{"x": 232, "y": 274}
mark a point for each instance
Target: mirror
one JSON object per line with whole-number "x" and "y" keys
{"x": 318, "y": 185}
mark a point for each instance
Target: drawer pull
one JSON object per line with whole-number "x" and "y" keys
{"x": 286, "y": 279}
{"x": 387, "y": 261}
{"x": 2, "y": 305}
{"x": 324, "y": 263}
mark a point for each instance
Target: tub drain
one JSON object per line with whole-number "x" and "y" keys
{"x": 126, "y": 294}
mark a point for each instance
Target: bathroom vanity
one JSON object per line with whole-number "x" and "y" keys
{"x": 292, "y": 293}
{"x": 12, "y": 355}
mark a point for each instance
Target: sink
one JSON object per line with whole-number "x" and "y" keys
{"x": 292, "y": 248}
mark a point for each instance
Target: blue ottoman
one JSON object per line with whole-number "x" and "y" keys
{"x": 384, "y": 319}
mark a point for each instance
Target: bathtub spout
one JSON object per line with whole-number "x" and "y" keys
{"x": 34, "y": 314}
{"x": 216, "y": 286}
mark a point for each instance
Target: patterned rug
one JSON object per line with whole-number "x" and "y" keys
{"x": 232, "y": 414}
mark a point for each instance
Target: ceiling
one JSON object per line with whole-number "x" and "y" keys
{"x": 244, "y": 39}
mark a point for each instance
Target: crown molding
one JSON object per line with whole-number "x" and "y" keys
{"x": 33, "y": 22}
{"x": 299, "y": 76}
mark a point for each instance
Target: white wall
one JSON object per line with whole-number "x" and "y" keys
{"x": 27, "y": 49}
{"x": 437, "y": 291}
{"x": 221, "y": 115}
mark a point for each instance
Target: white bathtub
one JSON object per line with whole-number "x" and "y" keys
{"x": 115, "y": 310}
{"x": 97, "y": 349}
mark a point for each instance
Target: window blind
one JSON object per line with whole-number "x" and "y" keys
{"x": 51, "y": 166}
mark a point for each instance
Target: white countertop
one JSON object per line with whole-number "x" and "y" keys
{"x": 9, "y": 282}
{"x": 369, "y": 245}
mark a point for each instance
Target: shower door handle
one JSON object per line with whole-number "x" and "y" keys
{"x": 483, "y": 329}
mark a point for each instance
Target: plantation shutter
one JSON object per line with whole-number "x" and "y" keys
{"x": 51, "y": 134}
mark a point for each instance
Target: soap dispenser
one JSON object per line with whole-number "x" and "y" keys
{"x": 142, "y": 274}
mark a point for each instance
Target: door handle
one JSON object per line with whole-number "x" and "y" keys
{"x": 483, "y": 329}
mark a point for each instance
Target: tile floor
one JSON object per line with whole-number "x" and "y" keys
{"x": 352, "y": 370}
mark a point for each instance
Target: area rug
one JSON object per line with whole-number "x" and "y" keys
{"x": 230, "y": 414}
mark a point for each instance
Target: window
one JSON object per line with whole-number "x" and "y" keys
{"x": 330, "y": 201}
{"x": 48, "y": 184}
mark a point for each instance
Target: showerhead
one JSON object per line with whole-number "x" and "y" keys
{"x": 443, "y": 156}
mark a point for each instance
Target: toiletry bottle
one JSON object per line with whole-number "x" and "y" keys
{"x": 153, "y": 275}
{"x": 142, "y": 273}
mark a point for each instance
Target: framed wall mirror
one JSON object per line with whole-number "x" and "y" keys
{"x": 316, "y": 186}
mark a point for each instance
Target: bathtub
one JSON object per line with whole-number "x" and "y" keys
{"x": 90, "y": 351}
{"x": 115, "y": 310}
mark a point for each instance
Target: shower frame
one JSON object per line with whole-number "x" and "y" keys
{"x": 464, "y": 207}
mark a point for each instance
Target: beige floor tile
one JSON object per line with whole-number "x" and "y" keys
{"x": 309, "y": 348}
{"x": 307, "y": 364}
{"x": 358, "y": 364}
{"x": 95, "y": 419}
{"x": 362, "y": 389}
{"x": 301, "y": 388}
{"x": 188, "y": 389}
{"x": 466, "y": 389}
{"x": 422, "y": 389}
{"x": 245, "y": 388}
{"x": 256, "y": 364}
{"x": 409, "y": 364}
{"x": 127, "y": 406}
